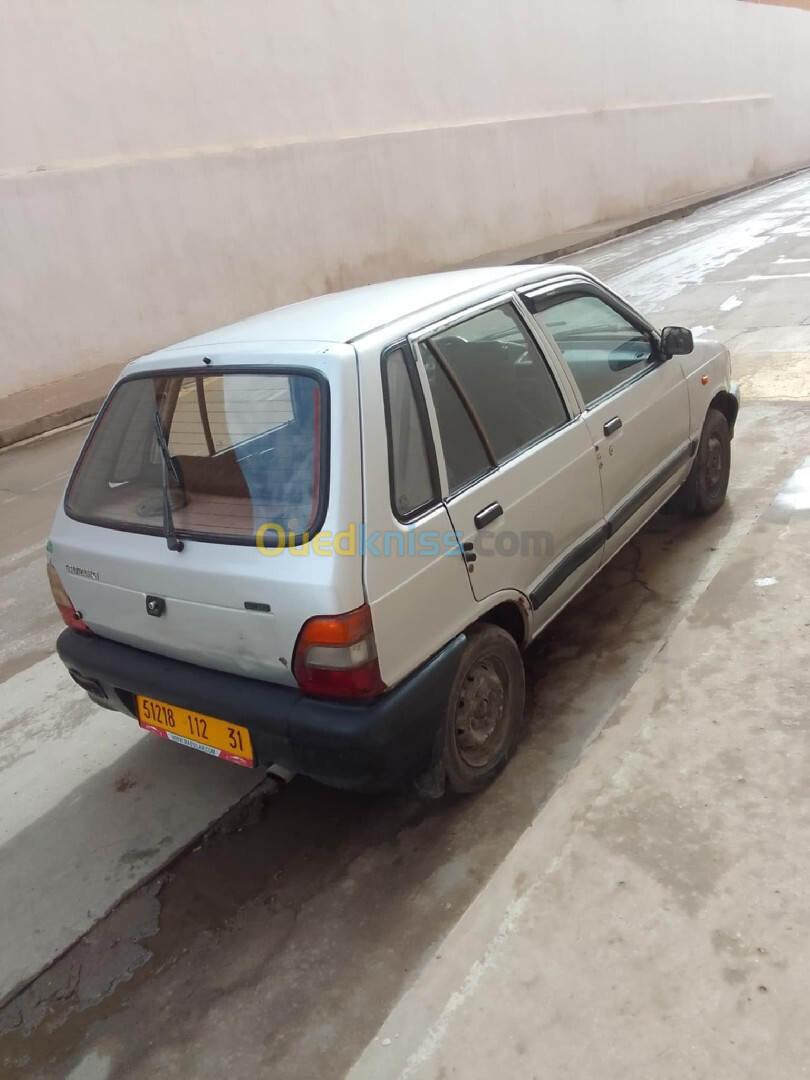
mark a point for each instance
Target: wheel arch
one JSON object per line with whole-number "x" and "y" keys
{"x": 727, "y": 404}
{"x": 513, "y": 617}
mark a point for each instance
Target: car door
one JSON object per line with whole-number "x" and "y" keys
{"x": 635, "y": 402}
{"x": 415, "y": 581}
{"x": 519, "y": 472}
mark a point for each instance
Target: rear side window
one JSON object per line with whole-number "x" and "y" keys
{"x": 493, "y": 392}
{"x": 412, "y": 485}
{"x": 465, "y": 455}
{"x": 246, "y": 450}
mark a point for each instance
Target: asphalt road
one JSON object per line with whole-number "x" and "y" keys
{"x": 278, "y": 946}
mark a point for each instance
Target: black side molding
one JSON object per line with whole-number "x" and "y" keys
{"x": 572, "y": 561}
{"x": 623, "y": 514}
{"x": 589, "y": 547}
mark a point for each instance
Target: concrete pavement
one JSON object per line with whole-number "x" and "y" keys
{"x": 91, "y": 804}
{"x": 653, "y": 921}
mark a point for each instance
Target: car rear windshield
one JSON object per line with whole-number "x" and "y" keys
{"x": 244, "y": 450}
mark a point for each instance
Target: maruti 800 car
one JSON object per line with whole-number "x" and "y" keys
{"x": 322, "y": 537}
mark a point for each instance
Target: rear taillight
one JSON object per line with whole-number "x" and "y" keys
{"x": 336, "y": 656}
{"x": 70, "y": 615}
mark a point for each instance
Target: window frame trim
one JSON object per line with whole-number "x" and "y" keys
{"x": 572, "y": 288}
{"x": 199, "y": 385}
{"x": 425, "y": 425}
{"x": 191, "y": 372}
{"x": 464, "y": 398}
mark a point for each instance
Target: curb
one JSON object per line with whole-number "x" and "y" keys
{"x": 50, "y": 422}
{"x": 589, "y": 236}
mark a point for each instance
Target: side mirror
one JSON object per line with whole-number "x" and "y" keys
{"x": 677, "y": 341}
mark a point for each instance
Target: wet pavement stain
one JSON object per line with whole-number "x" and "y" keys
{"x": 664, "y": 841}
{"x": 138, "y": 855}
{"x": 107, "y": 956}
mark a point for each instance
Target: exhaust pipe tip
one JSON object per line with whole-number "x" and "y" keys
{"x": 280, "y": 773}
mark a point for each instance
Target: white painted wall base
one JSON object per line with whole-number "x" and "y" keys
{"x": 167, "y": 168}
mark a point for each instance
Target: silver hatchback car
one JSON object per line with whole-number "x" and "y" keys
{"x": 322, "y": 537}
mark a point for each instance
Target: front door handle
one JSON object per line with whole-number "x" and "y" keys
{"x": 612, "y": 426}
{"x": 487, "y": 515}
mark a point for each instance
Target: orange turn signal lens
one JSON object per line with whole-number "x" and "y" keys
{"x": 338, "y": 629}
{"x": 336, "y": 656}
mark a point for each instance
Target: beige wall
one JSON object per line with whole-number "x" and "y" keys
{"x": 805, "y": 4}
{"x": 169, "y": 165}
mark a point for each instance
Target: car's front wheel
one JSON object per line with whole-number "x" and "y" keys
{"x": 704, "y": 490}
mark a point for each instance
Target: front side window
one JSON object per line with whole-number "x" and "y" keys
{"x": 244, "y": 450}
{"x": 412, "y": 486}
{"x": 492, "y": 390}
{"x": 601, "y": 347}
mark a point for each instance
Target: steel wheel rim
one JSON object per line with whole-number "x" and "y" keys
{"x": 480, "y": 711}
{"x": 714, "y": 465}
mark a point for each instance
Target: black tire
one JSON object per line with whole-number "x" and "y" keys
{"x": 704, "y": 490}
{"x": 484, "y": 710}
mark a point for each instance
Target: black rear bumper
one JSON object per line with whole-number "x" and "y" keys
{"x": 363, "y": 747}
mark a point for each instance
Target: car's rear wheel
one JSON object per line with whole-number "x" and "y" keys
{"x": 704, "y": 490}
{"x": 484, "y": 710}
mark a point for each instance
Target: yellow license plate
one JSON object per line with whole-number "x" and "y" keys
{"x": 216, "y": 737}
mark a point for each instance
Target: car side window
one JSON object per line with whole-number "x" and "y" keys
{"x": 492, "y": 390}
{"x": 601, "y": 347}
{"x": 465, "y": 456}
{"x": 412, "y": 487}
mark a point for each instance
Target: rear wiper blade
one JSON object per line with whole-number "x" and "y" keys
{"x": 169, "y": 465}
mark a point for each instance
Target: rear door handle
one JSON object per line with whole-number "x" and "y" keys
{"x": 612, "y": 426}
{"x": 488, "y": 515}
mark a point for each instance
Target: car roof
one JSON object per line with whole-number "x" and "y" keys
{"x": 345, "y": 316}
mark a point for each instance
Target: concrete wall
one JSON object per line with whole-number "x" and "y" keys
{"x": 169, "y": 165}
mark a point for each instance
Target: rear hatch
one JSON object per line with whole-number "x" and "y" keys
{"x": 200, "y": 489}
